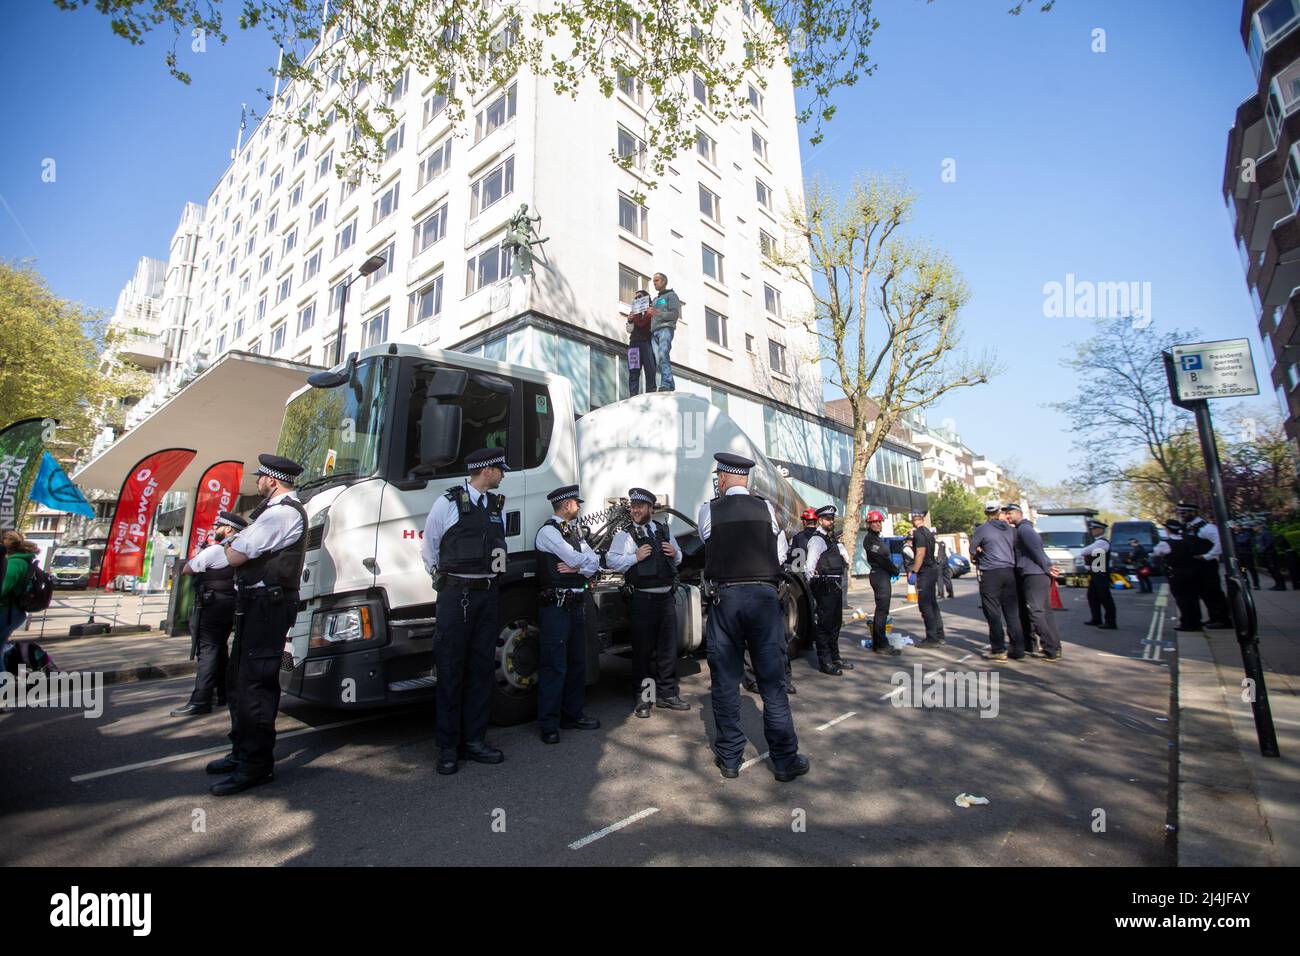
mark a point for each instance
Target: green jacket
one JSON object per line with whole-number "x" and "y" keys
{"x": 16, "y": 568}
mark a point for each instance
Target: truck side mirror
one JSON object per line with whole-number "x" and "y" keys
{"x": 439, "y": 435}
{"x": 448, "y": 383}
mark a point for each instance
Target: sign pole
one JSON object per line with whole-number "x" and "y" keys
{"x": 1244, "y": 619}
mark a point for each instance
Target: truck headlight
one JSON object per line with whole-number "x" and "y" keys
{"x": 331, "y": 628}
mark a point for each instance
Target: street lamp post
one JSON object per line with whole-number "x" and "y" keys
{"x": 373, "y": 264}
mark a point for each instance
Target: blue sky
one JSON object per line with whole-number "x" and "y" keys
{"x": 1103, "y": 165}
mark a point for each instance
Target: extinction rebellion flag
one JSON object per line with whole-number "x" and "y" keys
{"x": 20, "y": 456}
{"x": 218, "y": 489}
{"x": 54, "y": 489}
{"x": 143, "y": 488}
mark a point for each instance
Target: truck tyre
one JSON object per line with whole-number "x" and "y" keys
{"x": 518, "y": 654}
{"x": 797, "y": 612}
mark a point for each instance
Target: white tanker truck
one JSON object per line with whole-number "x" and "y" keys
{"x": 383, "y": 436}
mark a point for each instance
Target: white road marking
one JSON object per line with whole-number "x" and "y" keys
{"x": 902, "y": 687}
{"x": 759, "y": 759}
{"x": 832, "y": 723}
{"x": 225, "y": 748}
{"x": 962, "y": 660}
{"x": 593, "y": 837}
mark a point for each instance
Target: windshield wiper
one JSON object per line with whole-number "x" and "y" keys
{"x": 323, "y": 479}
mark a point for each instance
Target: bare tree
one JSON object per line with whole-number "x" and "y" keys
{"x": 884, "y": 311}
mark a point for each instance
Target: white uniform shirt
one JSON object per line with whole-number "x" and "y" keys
{"x": 584, "y": 560}
{"x": 1097, "y": 546}
{"x": 277, "y": 527}
{"x": 704, "y": 523}
{"x": 1209, "y": 531}
{"x": 816, "y": 548}
{"x": 1161, "y": 549}
{"x": 211, "y": 558}
{"x": 442, "y": 516}
{"x": 622, "y": 552}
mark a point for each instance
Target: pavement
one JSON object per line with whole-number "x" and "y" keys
{"x": 1075, "y": 766}
{"x": 1235, "y": 806}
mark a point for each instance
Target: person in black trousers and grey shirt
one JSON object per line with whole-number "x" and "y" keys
{"x": 926, "y": 569}
{"x": 1035, "y": 572}
{"x": 994, "y": 546}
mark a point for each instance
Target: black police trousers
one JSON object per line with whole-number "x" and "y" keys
{"x": 654, "y": 642}
{"x": 830, "y": 618}
{"x": 1036, "y": 593}
{"x": 1209, "y": 588}
{"x": 466, "y": 629}
{"x": 882, "y": 587}
{"x": 1100, "y": 599}
{"x": 1001, "y": 606}
{"x": 263, "y": 617}
{"x": 216, "y": 618}
{"x": 1182, "y": 585}
{"x": 927, "y": 596}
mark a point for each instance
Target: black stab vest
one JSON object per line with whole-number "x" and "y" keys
{"x": 282, "y": 567}
{"x": 831, "y": 563}
{"x": 656, "y": 571}
{"x": 798, "y": 549}
{"x": 469, "y": 545}
{"x": 548, "y": 570}
{"x": 742, "y": 544}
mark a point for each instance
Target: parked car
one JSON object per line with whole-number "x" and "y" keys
{"x": 1122, "y": 532}
{"x": 958, "y": 565}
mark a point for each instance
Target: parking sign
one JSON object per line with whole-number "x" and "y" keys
{"x": 1222, "y": 369}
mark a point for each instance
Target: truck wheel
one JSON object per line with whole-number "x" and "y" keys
{"x": 797, "y": 615}
{"x": 518, "y": 656}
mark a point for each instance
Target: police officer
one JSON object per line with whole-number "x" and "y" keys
{"x": 797, "y": 556}
{"x": 464, "y": 548}
{"x": 881, "y": 574}
{"x": 926, "y": 570}
{"x": 1208, "y": 587}
{"x": 1178, "y": 552}
{"x": 1097, "y": 558}
{"x": 647, "y": 554}
{"x": 213, "y": 617}
{"x": 825, "y": 566}
{"x": 1034, "y": 574}
{"x": 744, "y": 548}
{"x": 267, "y": 557}
{"x": 565, "y": 563}
{"x": 994, "y": 546}
{"x": 945, "y": 572}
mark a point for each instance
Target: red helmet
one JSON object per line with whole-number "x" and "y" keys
{"x": 808, "y": 515}
{"x": 874, "y": 516}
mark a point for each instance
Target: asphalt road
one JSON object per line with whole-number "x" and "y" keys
{"x": 1068, "y": 740}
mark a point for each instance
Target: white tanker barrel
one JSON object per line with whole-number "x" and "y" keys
{"x": 665, "y": 442}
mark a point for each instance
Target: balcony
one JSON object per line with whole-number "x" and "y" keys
{"x": 1279, "y": 271}
{"x": 147, "y": 352}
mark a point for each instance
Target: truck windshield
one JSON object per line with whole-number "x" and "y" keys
{"x": 1065, "y": 539}
{"x": 70, "y": 561}
{"x": 336, "y": 431}
{"x": 1126, "y": 531}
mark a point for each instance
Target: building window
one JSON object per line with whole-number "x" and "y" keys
{"x": 324, "y": 165}
{"x": 706, "y": 146}
{"x": 252, "y": 241}
{"x": 265, "y": 267}
{"x": 347, "y": 188}
{"x": 384, "y": 271}
{"x": 776, "y": 356}
{"x": 312, "y": 265}
{"x": 496, "y": 114}
{"x": 395, "y": 141}
{"x": 245, "y": 283}
{"x": 771, "y": 300}
{"x": 718, "y": 399}
{"x": 239, "y": 327}
{"x": 715, "y": 327}
{"x": 386, "y": 204}
{"x": 295, "y": 194}
{"x": 337, "y": 292}
{"x": 430, "y": 229}
{"x": 261, "y": 310}
{"x": 632, "y": 216}
{"x": 426, "y": 303}
{"x": 763, "y": 192}
{"x": 317, "y": 214}
{"x": 236, "y": 228}
{"x": 346, "y": 237}
{"x": 230, "y": 265}
{"x": 630, "y": 282}
{"x": 501, "y": 42}
{"x": 277, "y": 178}
{"x": 712, "y": 262}
{"x": 277, "y": 338}
{"x": 755, "y": 99}
{"x": 306, "y": 317}
{"x": 256, "y": 206}
{"x": 760, "y": 146}
{"x": 375, "y": 330}
{"x": 492, "y": 187}
{"x": 766, "y": 245}
{"x": 710, "y": 203}
{"x": 603, "y": 370}
{"x": 399, "y": 88}
{"x": 749, "y": 343}
{"x": 435, "y": 103}
{"x": 221, "y": 341}
{"x": 284, "y": 288}
{"x": 290, "y": 240}
{"x": 700, "y": 89}
{"x": 486, "y": 268}
{"x": 629, "y": 144}
{"x": 435, "y": 164}
{"x": 631, "y": 87}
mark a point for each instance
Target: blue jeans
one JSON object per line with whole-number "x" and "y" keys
{"x": 662, "y": 341}
{"x": 10, "y": 621}
{"x": 749, "y": 616}
{"x": 562, "y": 676}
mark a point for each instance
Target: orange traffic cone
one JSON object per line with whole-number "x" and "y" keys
{"x": 1055, "y": 600}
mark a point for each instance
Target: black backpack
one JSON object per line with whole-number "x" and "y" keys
{"x": 38, "y": 592}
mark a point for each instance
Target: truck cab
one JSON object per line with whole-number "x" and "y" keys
{"x": 382, "y": 437}
{"x": 1065, "y": 534}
